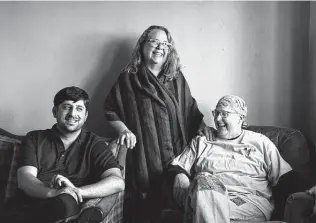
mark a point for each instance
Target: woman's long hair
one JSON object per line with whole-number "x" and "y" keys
{"x": 170, "y": 67}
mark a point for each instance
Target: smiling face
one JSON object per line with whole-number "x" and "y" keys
{"x": 155, "y": 55}
{"x": 70, "y": 115}
{"x": 230, "y": 126}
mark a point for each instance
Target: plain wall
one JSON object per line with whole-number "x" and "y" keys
{"x": 257, "y": 50}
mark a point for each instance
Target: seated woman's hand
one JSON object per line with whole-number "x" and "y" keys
{"x": 312, "y": 191}
{"x": 180, "y": 188}
{"x": 128, "y": 138}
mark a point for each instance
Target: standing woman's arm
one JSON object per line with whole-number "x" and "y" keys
{"x": 113, "y": 107}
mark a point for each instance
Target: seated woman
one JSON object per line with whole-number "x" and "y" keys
{"x": 232, "y": 175}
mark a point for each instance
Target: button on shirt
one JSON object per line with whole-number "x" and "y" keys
{"x": 82, "y": 163}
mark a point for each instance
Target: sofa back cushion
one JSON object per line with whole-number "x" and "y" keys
{"x": 291, "y": 143}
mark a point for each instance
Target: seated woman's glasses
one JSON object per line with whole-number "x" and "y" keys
{"x": 224, "y": 114}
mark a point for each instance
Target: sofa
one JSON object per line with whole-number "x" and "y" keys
{"x": 293, "y": 147}
{"x": 106, "y": 210}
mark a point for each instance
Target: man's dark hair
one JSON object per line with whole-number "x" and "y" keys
{"x": 73, "y": 94}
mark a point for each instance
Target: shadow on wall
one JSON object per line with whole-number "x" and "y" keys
{"x": 283, "y": 57}
{"x": 293, "y": 44}
{"x": 311, "y": 80}
{"x": 300, "y": 91}
{"x": 114, "y": 57}
{"x": 291, "y": 64}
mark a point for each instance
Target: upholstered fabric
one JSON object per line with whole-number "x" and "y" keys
{"x": 290, "y": 142}
{"x": 116, "y": 213}
{"x": 8, "y": 153}
{"x": 299, "y": 208}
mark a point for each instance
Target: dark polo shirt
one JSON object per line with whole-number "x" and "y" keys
{"x": 82, "y": 163}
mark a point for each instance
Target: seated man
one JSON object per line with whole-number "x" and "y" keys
{"x": 232, "y": 176}
{"x": 61, "y": 167}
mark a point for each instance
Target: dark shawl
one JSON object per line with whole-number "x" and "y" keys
{"x": 161, "y": 113}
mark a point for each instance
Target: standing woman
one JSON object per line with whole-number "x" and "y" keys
{"x": 151, "y": 103}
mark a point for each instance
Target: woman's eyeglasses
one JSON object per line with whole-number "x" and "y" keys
{"x": 224, "y": 114}
{"x": 156, "y": 43}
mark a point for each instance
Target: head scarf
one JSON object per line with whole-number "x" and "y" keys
{"x": 235, "y": 104}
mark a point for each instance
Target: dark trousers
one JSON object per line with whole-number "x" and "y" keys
{"x": 142, "y": 209}
{"x": 41, "y": 210}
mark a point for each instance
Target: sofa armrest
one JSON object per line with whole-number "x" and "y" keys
{"x": 120, "y": 152}
{"x": 299, "y": 208}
